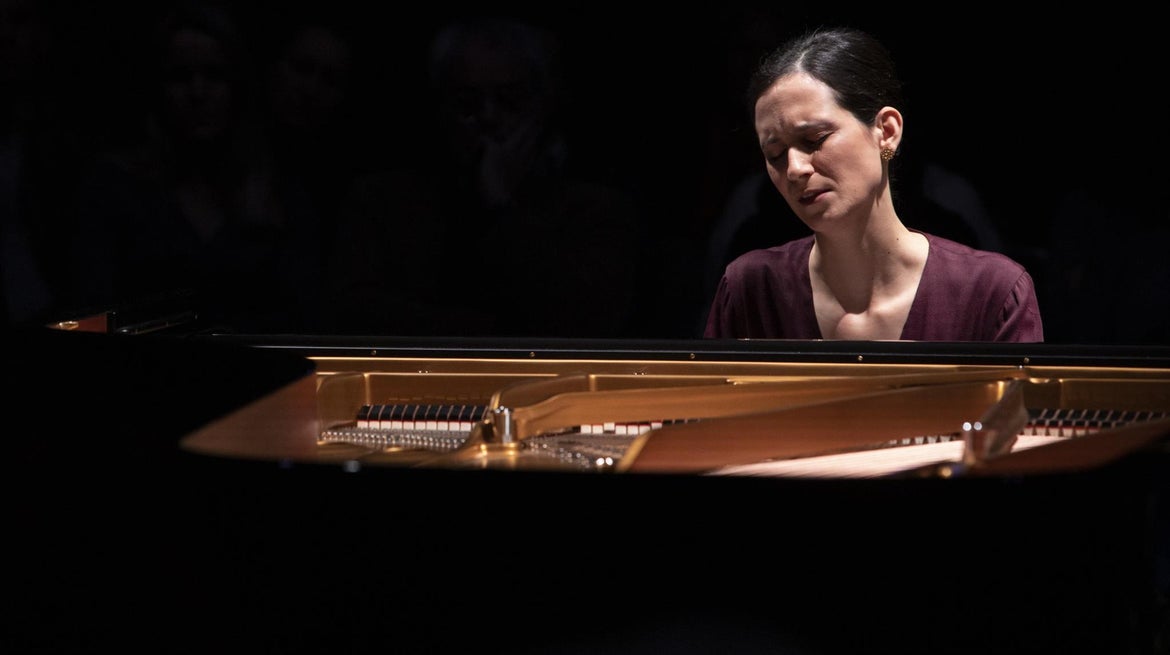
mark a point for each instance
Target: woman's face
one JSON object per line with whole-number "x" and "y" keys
{"x": 825, "y": 162}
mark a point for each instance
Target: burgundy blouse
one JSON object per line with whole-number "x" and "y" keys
{"x": 964, "y": 295}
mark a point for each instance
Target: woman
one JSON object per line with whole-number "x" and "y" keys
{"x": 827, "y": 121}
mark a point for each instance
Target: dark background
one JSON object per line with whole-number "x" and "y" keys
{"x": 1056, "y": 117}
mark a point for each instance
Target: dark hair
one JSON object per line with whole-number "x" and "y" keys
{"x": 854, "y": 64}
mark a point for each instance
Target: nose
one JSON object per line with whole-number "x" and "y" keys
{"x": 799, "y": 164}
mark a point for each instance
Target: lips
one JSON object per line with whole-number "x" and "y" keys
{"x": 809, "y": 197}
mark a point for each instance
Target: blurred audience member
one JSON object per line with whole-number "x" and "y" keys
{"x": 195, "y": 207}
{"x": 310, "y": 79}
{"x": 38, "y": 149}
{"x": 489, "y": 233}
{"x": 1105, "y": 275}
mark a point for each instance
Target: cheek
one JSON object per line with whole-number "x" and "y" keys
{"x": 870, "y": 167}
{"x": 849, "y": 168}
{"x": 779, "y": 179}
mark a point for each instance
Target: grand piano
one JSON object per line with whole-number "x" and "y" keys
{"x": 198, "y": 492}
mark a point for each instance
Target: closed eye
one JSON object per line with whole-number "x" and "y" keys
{"x": 778, "y": 158}
{"x": 806, "y": 145}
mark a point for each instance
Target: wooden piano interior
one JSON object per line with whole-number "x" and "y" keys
{"x": 705, "y": 416}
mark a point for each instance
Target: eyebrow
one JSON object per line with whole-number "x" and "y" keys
{"x": 808, "y": 126}
{"x": 813, "y": 125}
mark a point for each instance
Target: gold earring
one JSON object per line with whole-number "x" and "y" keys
{"x": 887, "y": 154}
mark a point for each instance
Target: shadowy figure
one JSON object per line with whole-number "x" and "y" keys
{"x": 41, "y": 136}
{"x": 310, "y": 73}
{"x": 194, "y": 209}
{"x": 1109, "y": 285}
{"x": 488, "y": 232}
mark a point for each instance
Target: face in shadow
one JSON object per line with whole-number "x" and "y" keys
{"x": 197, "y": 94}
{"x": 311, "y": 79}
{"x": 492, "y": 96}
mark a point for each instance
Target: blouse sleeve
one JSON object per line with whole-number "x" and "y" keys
{"x": 719, "y": 317}
{"x": 1020, "y": 317}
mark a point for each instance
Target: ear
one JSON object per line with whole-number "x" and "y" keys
{"x": 888, "y": 126}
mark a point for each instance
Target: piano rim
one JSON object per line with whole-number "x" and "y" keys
{"x": 707, "y": 350}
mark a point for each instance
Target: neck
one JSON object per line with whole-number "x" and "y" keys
{"x": 859, "y": 264}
